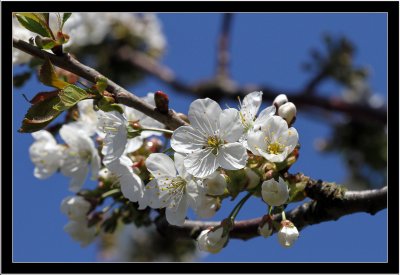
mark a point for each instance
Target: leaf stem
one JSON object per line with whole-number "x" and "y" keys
{"x": 237, "y": 208}
{"x": 157, "y": 130}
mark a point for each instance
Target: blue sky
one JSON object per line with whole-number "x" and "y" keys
{"x": 266, "y": 49}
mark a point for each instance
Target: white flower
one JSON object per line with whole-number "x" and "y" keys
{"x": 288, "y": 112}
{"x": 252, "y": 177}
{"x": 215, "y": 184}
{"x": 288, "y": 233}
{"x": 145, "y": 121}
{"x": 275, "y": 193}
{"x": 46, "y": 154}
{"x": 212, "y": 139}
{"x": 273, "y": 140}
{"x": 265, "y": 230}
{"x": 75, "y": 207}
{"x": 80, "y": 153}
{"x": 131, "y": 184}
{"x": 80, "y": 232}
{"x": 212, "y": 241}
{"x": 175, "y": 191}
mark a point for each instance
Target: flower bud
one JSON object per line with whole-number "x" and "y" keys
{"x": 252, "y": 177}
{"x": 280, "y": 100}
{"x": 75, "y": 207}
{"x": 265, "y": 226}
{"x": 212, "y": 241}
{"x": 288, "y": 112}
{"x": 161, "y": 100}
{"x": 215, "y": 184}
{"x": 275, "y": 193}
{"x": 288, "y": 233}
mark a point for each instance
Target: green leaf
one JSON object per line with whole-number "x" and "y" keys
{"x": 69, "y": 96}
{"x": 107, "y": 104}
{"x": 66, "y": 15}
{"x": 33, "y": 25}
{"x": 48, "y": 76}
{"x": 101, "y": 84}
{"x": 41, "y": 113}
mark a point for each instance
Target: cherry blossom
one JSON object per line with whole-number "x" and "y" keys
{"x": 212, "y": 139}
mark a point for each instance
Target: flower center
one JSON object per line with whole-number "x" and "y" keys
{"x": 214, "y": 143}
{"x": 275, "y": 148}
{"x": 176, "y": 188}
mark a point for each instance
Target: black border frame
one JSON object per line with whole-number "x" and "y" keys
{"x": 390, "y": 7}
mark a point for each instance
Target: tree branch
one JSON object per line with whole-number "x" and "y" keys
{"x": 216, "y": 89}
{"x": 329, "y": 204}
{"x": 67, "y": 62}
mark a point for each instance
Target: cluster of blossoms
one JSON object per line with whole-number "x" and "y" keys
{"x": 92, "y": 28}
{"x": 199, "y": 175}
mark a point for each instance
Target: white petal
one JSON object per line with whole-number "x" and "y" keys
{"x": 186, "y": 139}
{"x": 250, "y": 105}
{"x": 193, "y": 190}
{"x": 263, "y": 116}
{"x": 76, "y": 138}
{"x": 133, "y": 144}
{"x": 292, "y": 138}
{"x": 179, "y": 160}
{"x": 204, "y": 115}
{"x": 131, "y": 187}
{"x": 114, "y": 146}
{"x": 274, "y": 158}
{"x": 201, "y": 163}
{"x": 78, "y": 179}
{"x": 45, "y": 136}
{"x": 232, "y": 156}
{"x": 131, "y": 184}
{"x": 256, "y": 142}
{"x": 176, "y": 215}
{"x": 113, "y": 124}
{"x": 231, "y": 129}
{"x": 215, "y": 184}
{"x": 153, "y": 197}
{"x": 274, "y": 127}
{"x": 160, "y": 165}
{"x": 207, "y": 207}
